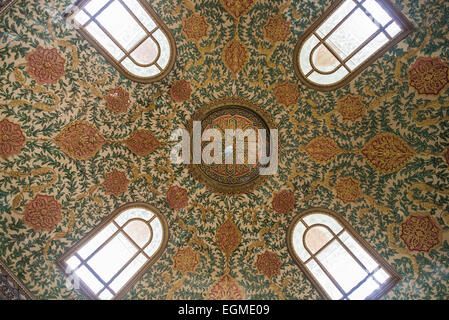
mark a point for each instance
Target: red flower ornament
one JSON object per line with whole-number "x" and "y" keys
{"x": 45, "y": 65}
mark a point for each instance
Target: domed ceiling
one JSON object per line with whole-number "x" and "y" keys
{"x": 78, "y": 140}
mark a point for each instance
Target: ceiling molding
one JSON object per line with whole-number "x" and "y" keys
{"x": 11, "y": 288}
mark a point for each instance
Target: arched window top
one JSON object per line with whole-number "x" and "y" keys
{"x": 345, "y": 40}
{"x": 129, "y": 34}
{"x": 339, "y": 263}
{"x": 108, "y": 261}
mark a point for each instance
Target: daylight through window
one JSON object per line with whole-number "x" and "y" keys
{"x": 349, "y": 36}
{"x": 108, "y": 261}
{"x": 336, "y": 260}
{"x": 129, "y": 34}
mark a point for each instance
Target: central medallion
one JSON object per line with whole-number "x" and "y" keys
{"x": 232, "y": 115}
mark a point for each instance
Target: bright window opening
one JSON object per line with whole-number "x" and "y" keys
{"x": 108, "y": 261}
{"x": 336, "y": 259}
{"x": 129, "y": 34}
{"x": 346, "y": 39}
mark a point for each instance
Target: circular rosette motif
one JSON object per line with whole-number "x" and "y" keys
{"x": 177, "y": 197}
{"x": 186, "y": 260}
{"x": 228, "y": 237}
{"x": 237, "y": 8}
{"x": 429, "y": 75}
{"x": 235, "y": 56}
{"x": 232, "y": 114}
{"x": 322, "y": 149}
{"x": 268, "y": 264}
{"x": 420, "y": 233}
{"x": 351, "y": 108}
{"x": 180, "y": 90}
{"x": 387, "y": 153}
{"x": 226, "y": 288}
{"x": 142, "y": 142}
{"x": 11, "y": 139}
{"x": 115, "y": 182}
{"x": 80, "y": 140}
{"x": 117, "y": 100}
{"x": 45, "y": 65}
{"x": 286, "y": 94}
{"x": 195, "y": 27}
{"x": 283, "y": 201}
{"x": 277, "y": 29}
{"x": 348, "y": 189}
{"x": 43, "y": 213}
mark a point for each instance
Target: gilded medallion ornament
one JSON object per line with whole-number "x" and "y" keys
{"x": 429, "y": 75}
{"x": 322, "y": 149}
{"x": 115, "y": 182}
{"x": 142, "y": 142}
{"x": 286, "y": 93}
{"x": 42, "y": 213}
{"x": 177, "y": 197}
{"x": 228, "y": 237}
{"x": 12, "y": 139}
{"x": 117, "y": 100}
{"x": 351, "y": 108}
{"x": 387, "y": 152}
{"x": 277, "y": 29}
{"x": 195, "y": 27}
{"x": 45, "y": 65}
{"x": 226, "y": 288}
{"x": 283, "y": 201}
{"x": 186, "y": 260}
{"x": 180, "y": 90}
{"x": 420, "y": 233}
{"x": 237, "y": 8}
{"x": 268, "y": 264}
{"x": 348, "y": 189}
{"x": 231, "y": 114}
{"x": 235, "y": 56}
{"x": 80, "y": 140}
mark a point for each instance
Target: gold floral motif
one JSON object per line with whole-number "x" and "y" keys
{"x": 117, "y": 100}
{"x": 226, "y": 288}
{"x": 228, "y": 237}
{"x": 429, "y": 75}
{"x": 351, "y": 108}
{"x": 180, "y": 90}
{"x": 80, "y": 140}
{"x": 283, "y": 201}
{"x": 420, "y": 233}
{"x": 177, "y": 197}
{"x": 195, "y": 27}
{"x": 45, "y": 65}
{"x": 277, "y": 29}
{"x": 237, "y": 8}
{"x": 268, "y": 264}
{"x": 142, "y": 142}
{"x": 43, "y": 213}
{"x": 186, "y": 260}
{"x": 348, "y": 189}
{"x": 286, "y": 94}
{"x": 235, "y": 56}
{"x": 11, "y": 139}
{"x": 387, "y": 153}
{"x": 115, "y": 182}
{"x": 322, "y": 149}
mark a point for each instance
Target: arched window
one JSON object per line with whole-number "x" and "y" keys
{"x": 109, "y": 260}
{"x": 338, "y": 262}
{"x": 129, "y": 34}
{"x": 346, "y": 39}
